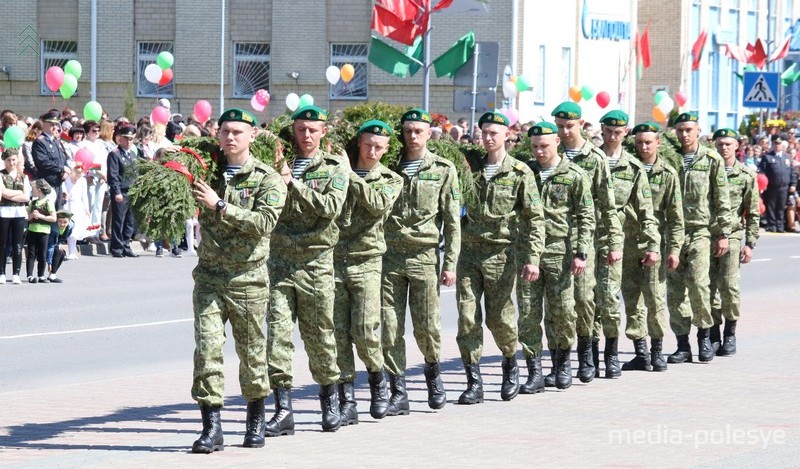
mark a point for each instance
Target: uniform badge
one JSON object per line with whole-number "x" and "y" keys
{"x": 646, "y": 193}
{"x": 456, "y": 193}
{"x": 338, "y": 182}
{"x": 721, "y": 180}
{"x": 273, "y": 198}
{"x": 535, "y": 200}
{"x": 587, "y": 199}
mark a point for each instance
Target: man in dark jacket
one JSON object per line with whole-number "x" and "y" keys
{"x": 777, "y": 166}
{"x": 120, "y": 177}
{"x": 49, "y": 156}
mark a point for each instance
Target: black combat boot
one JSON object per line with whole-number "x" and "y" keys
{"x": 348, "y": 413}
{"x": 331, "y": 420}
{"x": 550, "y": 379}
{"x": 715, "y": 338}
{"x": 656, "y": 358}
{"x": 564, "y": 370}
{"x": 211, "y": 439}
{"x": 729, "y": 339}
{"x": 596, "y": 357}
{"x": 705, "y": 353}
{"x": 398, "y": 401}
{"x": 256, "y": 421}
{"x": 474, "y": 392}
{"x": 510, "y": 387}
{"x": 436, "y": 394}
{"x": 610, "y": 358}
{"x": 684, "y": 352}
{"x": 641, "y": 362}
{"x": 535, "y": 382}
{"x": 379, "y": 400}
{"x": 282, "y": 422}
{"x": 586, "y": 369}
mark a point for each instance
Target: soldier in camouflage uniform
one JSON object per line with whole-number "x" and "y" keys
{"x": 632, "y": 197}
{"x": 706, "y": 206}
{"x": 430, "y": 201}
{"x": 743, "y": 194}
{"x": 301, "y": 271}
{"x": 607, "y": 246}
{"x": 566, "y": 200}
{"x": 357, "y": 269}
{"x": 645, "y": 285}
{"x": 237, "y": 214}
{"x": 504, "y": 226}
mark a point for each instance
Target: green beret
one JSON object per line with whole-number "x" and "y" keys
{"x": 310, "y": 113}
{"x": 416, "y": 115}
{"x": 493, "y": 117}
{"x": 567, "y": 110}
{"x": 376, "y": 127}
{"x": 63, "y": 214}
{"x": 237, "y": 115}
{"x": 725, "y": 133}
{"x": 615, "y": 118}
{"x": 686, "y": 117}
{"x": 543, "y": 128}
{"x": 646, "y": 127}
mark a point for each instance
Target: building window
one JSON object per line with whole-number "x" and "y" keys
{"x": 566, "y": 70}
{"x": 538, "y": 86}
{"x": 752, "y": 26}
{"x": 733, "y": 120}
{"x": 734, "y": 83}
{"x": 355, "y": 55}
{"x": 146, "y": 55}
{"x": 55, "y": 54}
{"x": 250, "y": 68}
{"x": 716, "y": 87}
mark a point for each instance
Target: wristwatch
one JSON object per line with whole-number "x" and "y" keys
{"x": 751, "y": 244}
{"x": 221, "y": 204}
{"x": 581, "y": 255}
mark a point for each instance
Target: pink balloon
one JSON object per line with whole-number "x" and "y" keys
{"x": 262, "y": 96}
{"x": 160, "y": 115}
{"x": 602, "y": 99}
{"x": 681, "y": 98}
{"x": 255, "y": 104}
{"x": 202, "y": 110}
{"x": 511, "y": 113}
{"x": 54, "y": 78}
{"x": 84, "y": 156}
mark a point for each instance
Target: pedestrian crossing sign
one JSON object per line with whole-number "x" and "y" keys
{"x": 761, "y": 89}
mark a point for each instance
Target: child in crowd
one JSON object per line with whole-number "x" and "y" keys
{"x": 41, "y": 215}
{"x": 65, "y": 228}
{"x": 14, "y": 196}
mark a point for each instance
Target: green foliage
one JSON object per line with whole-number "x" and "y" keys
{"x": 522, "y": 150}
{"x": 129, "y": 109}
{"x": 161, "y": 200}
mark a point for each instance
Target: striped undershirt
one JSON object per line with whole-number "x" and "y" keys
{"x": 490, "y": 170}
{"x": 230, "y": 171}
{"x": 728, "y": 169}
{"x": 687, "y": 159}
{"x": 300, "y": 165}
{"x": 612, "y": 163}
{"x": 361, "y": 172}
{"x": 571, "y": 154}
{"x": 648, "y": 167}
{"x": 546, "y": 172}
{"x": 410, "y": 167}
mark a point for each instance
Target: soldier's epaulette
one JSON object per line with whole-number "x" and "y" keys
{"x": 332, "y": 158}
{"x": 508, "y": 182}
{"x": 624, "y": 175}
{"x": 520, "y": 166}
{"x": 429, "y": 176}
{"x": 317, "y": 175}
{"x": 566, "y": 180}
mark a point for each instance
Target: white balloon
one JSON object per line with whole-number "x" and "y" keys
{"x": 152, "y": 73}
{"x": 332, "y": 74}
{"x": 666, "y": 104}
{"x": 509, "y": 89}
{"x": 292, "y": 101}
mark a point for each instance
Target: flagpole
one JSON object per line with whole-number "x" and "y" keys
{"x": 426, "y": 59}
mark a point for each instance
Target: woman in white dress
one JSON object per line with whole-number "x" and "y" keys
{"x": 77, "y": 202}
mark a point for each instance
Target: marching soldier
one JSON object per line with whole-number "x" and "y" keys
{"x": 504, "y": 227}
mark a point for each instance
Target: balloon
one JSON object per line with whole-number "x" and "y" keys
{"x": 348, "y": 72}
{"x": 602, "y": 99}
{"x": 54, "y": 78}
{"x": 512, "y": 79}
{"x": 166, "y": 77}
{"x": 152, "y": 73}
{"x": 160, "y": 115}
{"x": 262, "y": 96}
{"x": 73, "y": 67}
{"x": 84, "y": 156}
{"x": 661, "y": 94}
{"x": 762, "y": 183}
{"x": 509, "y": 89}
{"x": 666, "y": 105}
{"x": 13, "y": 137}
{"x": 255, "y": 104}
{"x": 92, "y": 111}
{"x": 164, "y": 60}
{"x": 332, "y": 74}
{"x": 586, "y": 93}
{"x": 761, "y": 207}
{"x": 68, "y": 87}
{"x": 511, "y": 113}
{"x": 305, "y": 100}
{"x": 292, "y": 101}
{"x": 522, "y": 84}
{"x": 575, "y": 93}
{"x": 202, "y": 110}
{"x": 658, "y": 115}
{"x": 681, "y": 98}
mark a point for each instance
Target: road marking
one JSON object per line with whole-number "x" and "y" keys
{"x": 760, "y": 260}
{"x": 96, "y": 329}
{"x": 794, "y": 257}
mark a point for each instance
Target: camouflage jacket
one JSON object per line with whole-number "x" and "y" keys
{"x": 743, "y": 194}
{"x": 704, "y": 190}
{"x": 430, "y": 199}
{"x": 507, "y": 210}
{"x": 240, "y": 238}
{"x": 609, "y": 229}
{"x": 307, "y": 227}
{"x": 633, "y": 198}
{"x": 566, "y": 199}
{"x": 369, "y": 201}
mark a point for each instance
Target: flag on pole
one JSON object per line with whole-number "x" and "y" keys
{"x": 644, "y": 45}
{"x": 406, "y": 10}
{"x": 415, "y": 52}
{"x": 387, "y": 24}
{"x": 782, "y": 50}
{"x": 788, "y": 75}
{"x": 697, "y": 49}
{"x": 455, "y": 57}
{"x": 732, "y": 51}
{"x": 758, "y": 55}
{"x": 387, "y": 58}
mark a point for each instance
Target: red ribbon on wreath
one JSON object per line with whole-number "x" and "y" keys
{"x": 196, "y": 156}
{"x": 175, "y": 166}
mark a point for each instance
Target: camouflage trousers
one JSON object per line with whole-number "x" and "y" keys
{"x": 241, "y": 298}
{"x": 302, "y": 292}
{"x": 584, "y": 296}
{"x": 555, "y": 286}
{"x": 487, "y": 272}
{"x": 406, "y": 280}
{"x": 724, "y": 288}
{"x": 609, "y": 282}
{"x": 691, "y": 279}
{"x": 357, "y": 315}
{"x": 643, "y": 287}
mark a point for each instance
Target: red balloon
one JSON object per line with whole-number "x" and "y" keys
{"x": 166, "y": 77}
{"x": 160, "y": 115}
{"x": 202, "y": 110}
{"x": 54, "y": 78}
{"x": 602, "y": 99}
{"x": 761, "y": 207}
{"x": 762, "y": 182}
{"x": 681, "y": 98}
{"x": 84, "y": 156}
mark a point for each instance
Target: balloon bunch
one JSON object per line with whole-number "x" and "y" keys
{"x": 260, "y": 100}
{"x": 515, "y": 85}
{"x": 65, "y": 80}
{"x": 160, "y": 73}
{"x": 578, "y": 93}
{"x": 333, "y": 74}
{"x": 295, "y": 102}
{"x": 664, "y": 104}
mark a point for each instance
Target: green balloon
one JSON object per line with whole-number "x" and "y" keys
{"x": 523, "y": 84}
{"x": 661, "y": 94}
{"x": 164, "y": 60}
{"x": 305, "y": 100}
{"x": 68, "y": 87}
{"x": 92, "y": 111}
{"x": 586, "y": 93}
{"x": 73, "y": 67}
{"x": 13, "y": 137}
